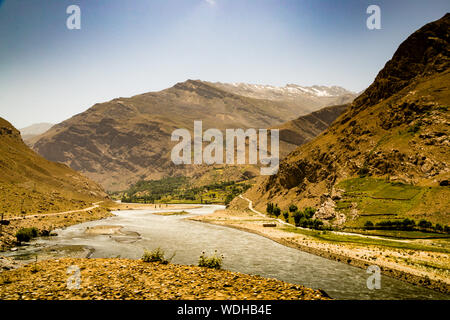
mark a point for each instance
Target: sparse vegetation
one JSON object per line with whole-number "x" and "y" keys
{"x": 156, "y": 255}
{"x": 213, "y": 262}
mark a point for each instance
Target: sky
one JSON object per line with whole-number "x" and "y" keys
{"x": 49, "y": 73}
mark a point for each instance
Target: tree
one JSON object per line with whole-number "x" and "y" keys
{"x": 228, "y": 199}
{"x": 424, "y": 224}
{"x": 293, "y": 208}
{"x": 276, "y": 211}
{"x": 309, "y": 212}
{"x": 269, "y": 208}
{"x": 368, "y": 225}
{"x": 297, "y": 217}
{"x": 317, "y": 224}
{"x": 286, "y": 215}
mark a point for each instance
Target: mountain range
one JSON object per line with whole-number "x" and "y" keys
{"x": 119, "y": 142}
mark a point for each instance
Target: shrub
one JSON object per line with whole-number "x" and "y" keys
{"x": 26, "y": 234}
{"x": 213, "y": 262}
{"x": 269, "y": 208}
{"x": 364, "y": 171}
{"x": 156, "y": 255}
{"x": 293, "y": 208}
{"x": 286, "y": 215}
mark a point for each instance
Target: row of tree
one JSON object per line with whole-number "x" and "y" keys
{"x": 406, "y": 225}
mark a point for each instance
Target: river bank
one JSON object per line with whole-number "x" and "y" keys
{"x": 422, "y": 268}
{"x": 118, "y": 279}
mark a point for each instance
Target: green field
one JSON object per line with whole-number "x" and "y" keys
{"x": 379, "y": 200}
{"x": 331, "y": 237}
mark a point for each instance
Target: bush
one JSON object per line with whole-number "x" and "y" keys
{"x": 286, "y": 216}
{"x": 293, "y": 208}
{"x": 213, "y": 262}
{"x": 26, "y": 234}
{"x": 156, "y": 255}
{"x": 269, "y": 208}
{"x": 364, "y": 171}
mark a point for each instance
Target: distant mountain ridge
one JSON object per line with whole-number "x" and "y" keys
{"x": 35, "y": 130}
{"x": 119, "y": 142}
{"x": 310, "y": 98}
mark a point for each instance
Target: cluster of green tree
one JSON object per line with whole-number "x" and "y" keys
{"x": 406, "y": 225}
{"x": 154, "y": 190}
{"x": 273, "y": 209}
{"x": 178, "y": 188}
{"x": 301, "y": 218}
{"x": 304, "y": 219}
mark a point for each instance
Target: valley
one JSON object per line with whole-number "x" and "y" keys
{"x": 362, "y": 181}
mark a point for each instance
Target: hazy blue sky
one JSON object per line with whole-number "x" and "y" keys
{"x": 125, "y": 47}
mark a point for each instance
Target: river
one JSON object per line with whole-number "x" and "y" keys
{"x": 244, "y": 252}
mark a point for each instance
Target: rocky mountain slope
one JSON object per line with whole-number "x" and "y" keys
{"x": 127, "y": 139}
{"x": 32, "y": 184}
{"x": 297, "y": 132}
{"x": 388, "y": 154}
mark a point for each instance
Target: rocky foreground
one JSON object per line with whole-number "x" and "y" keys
{"x": 134, "y": 279}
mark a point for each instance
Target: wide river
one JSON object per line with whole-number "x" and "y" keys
{"x": 244, "y": 252}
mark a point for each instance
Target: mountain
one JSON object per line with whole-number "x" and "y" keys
{"x": 34, "y": 130}
{"x": 127, "y": 139}
{"x": 297, "y": 132}
{"x": 306, "y": 99}
{"x": 387, "y": 156}
{"x": 33, "y": 184}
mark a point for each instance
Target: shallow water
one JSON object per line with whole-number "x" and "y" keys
{"x": 244, "y": 252}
